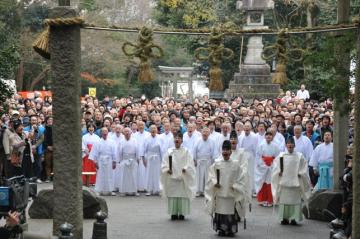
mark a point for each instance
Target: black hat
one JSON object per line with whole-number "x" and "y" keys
{"x": 178, "y": 134}
{"x": 233, "y": 135}
{"x": 290, "y": 140}
{"x": 16, "y": 124}
{"x": 226, "y": 145}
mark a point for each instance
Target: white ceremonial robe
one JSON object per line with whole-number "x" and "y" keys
{"x": 262, "y": 171}
{"x": 88, "y": 139}
{"x": 243, "y": 157}
{"x": 279, "y": 141}
{"x": 178, "y": 184}
{"x": 204, "y": 155}
{"x": 104, "y": 154}
{"x": 294, "y": 184}
{"x": 323, "y": 161}
{"x": 118, "y": 170}
{"x": 260, "y": 138}
{"x": 189, "y": 142}
{"x": 167, "y": 142}
{"x": 141, "y": 175}
{"x": 232, "y": 193}
{"x": 128, "y": 158}
{"x": 249, "y": 143}
{"x": 219, "y": 142}
{"x": 303, "y": 145}
{"x": 153, "y": 157}
{"x": 216, "y": 136}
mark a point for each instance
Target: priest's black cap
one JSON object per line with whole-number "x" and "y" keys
{"x": 226, "y": 145}
{"x": 290, "y": 140}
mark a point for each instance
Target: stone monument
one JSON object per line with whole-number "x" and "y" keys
{"x": 254, "y": 78}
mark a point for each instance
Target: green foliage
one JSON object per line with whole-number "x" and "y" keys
{"x": 89, "y": 5}
{"x": 34, "y": 15}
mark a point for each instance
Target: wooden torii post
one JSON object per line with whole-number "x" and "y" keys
{"x": 65, "y": 52}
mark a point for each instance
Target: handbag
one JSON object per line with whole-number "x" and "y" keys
{"x": 15, "y": 158}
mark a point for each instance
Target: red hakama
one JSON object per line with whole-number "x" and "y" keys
{"x": 89, "y": 166}
{"x": 265, "y": 194}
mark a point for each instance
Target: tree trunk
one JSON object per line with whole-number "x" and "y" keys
{"x": 19, "y": 78}
{"x": 341, "y": 114}
{"x": 39, "y": 77}
{"x": 356, "y": 147}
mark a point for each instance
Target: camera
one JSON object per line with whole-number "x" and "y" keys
{"x": 15, "y": 193}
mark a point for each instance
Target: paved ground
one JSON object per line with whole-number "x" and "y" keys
{"x": 145, "y": 217}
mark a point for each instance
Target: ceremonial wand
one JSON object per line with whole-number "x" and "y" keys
{"x": 170, "y": 162}
{"x": 281, "y": 165}
{"x": 218, "y": 176}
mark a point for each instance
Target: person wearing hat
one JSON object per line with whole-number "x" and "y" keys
{"x": 225, "y": 192}
{"x": 266, "y": 153}
{"x": 178, "y": 181}
{"x": 290, "y": 184}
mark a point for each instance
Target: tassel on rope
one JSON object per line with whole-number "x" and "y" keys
{"x": 41, "y": 44}
{"x": 283, "y": 52}
{"x": 144, "y": 49}
{"x": 280, "y": 77}
{"x": 216, "y": 54}
{"x": 216, "y": 79}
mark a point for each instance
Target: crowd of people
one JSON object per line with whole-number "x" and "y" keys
{"x": 134, "y": 146}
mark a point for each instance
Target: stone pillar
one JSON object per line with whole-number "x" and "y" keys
{"x": 356, "y": 148}
{"x": 191, "y": 93}
{"x": 175, "y": 86}
{"x": 254, "y": 51}
{"x": 65, "y": 69}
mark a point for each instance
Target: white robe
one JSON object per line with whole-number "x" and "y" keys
{"x": 104, "y": 154}
{"x": 279, "y": 140}
{"x": 232, "y": 193}
{"x": 167, "y": 142}
{"x": 141, "y": 175}
{"x": 204, "y": 155}
{"x": 242, "y": 157}
{"x": 118, "y": 170}
{"x": 190, "y": 141}
{"x": 294, "y": 184}
{"x": 249, "y": 143}
{"x": 262, "y": 171}
{"x": 323, "y": 153}
{"x": 128, "y": 158}
{"x": 88, "y": 139}
{"x": 260, "y": 138}
{"x": 153, "y": 157}
{"x": 219, "y": 142}
{"x": 216, "y": 136}
{"x": 303, "y": 145}
{"x": 178, "y": 184}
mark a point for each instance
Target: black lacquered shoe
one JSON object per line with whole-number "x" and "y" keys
{"x": 293, "y": 222}
{"x": 181, "y": 217}
{"x": 285, "y": 222}
{"x": 174, "y": 217}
